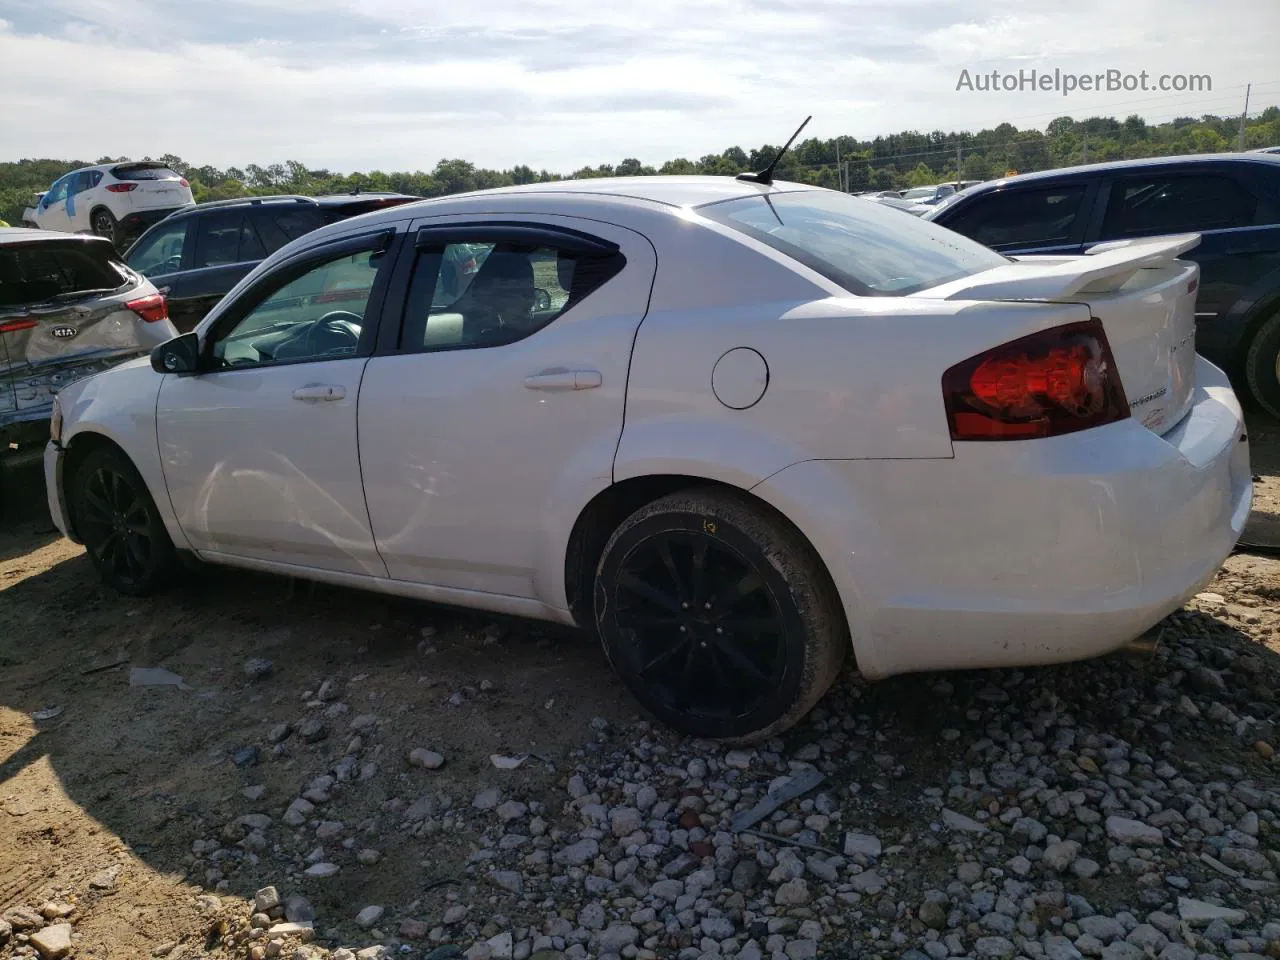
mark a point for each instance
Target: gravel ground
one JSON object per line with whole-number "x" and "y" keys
{"x": 343, "y": 776}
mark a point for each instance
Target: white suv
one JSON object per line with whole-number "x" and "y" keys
{"x": 113, "y": 200}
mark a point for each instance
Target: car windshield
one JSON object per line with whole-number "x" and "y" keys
{"x": 919, "y": 193}
{"x": 867, "y": 248}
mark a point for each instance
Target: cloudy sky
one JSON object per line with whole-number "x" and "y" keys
{"x": 398, "y": 84}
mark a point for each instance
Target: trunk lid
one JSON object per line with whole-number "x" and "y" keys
{"x": 1144, "y": 296}
{"x": 62, "y": 317}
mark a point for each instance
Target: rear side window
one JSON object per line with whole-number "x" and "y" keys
{"x": 868, "y": 248}
{"x": 45, "y": 271}
{"x": 143, "y": 171}
{"x": 469, "y": 295}
{"x": 1022, "y": 217}
{"x": 1142, "y": 206}
{"x": 279, "y": 226}
{"x": 225, "y": 238}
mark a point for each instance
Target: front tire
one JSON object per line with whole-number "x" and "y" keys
{"x": 1261, "y": 362}
{"x": 117, "y": 520}
{"x": 718, "y": 616}
{"x": 103, "y": 223}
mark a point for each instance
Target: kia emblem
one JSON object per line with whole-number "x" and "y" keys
{"x": 63, "y": 333}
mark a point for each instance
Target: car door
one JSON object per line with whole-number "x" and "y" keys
{"x": 498, "y": 392}
{"x": 1027, "y": 218}
{"x": 52, "y": 212}
{"x": 1219, "y": 206}
{"x": 163, "y": 255}
{"x": 259, "y": 449}
{"x": 79, "y": 199}
{"x": 225, "y": 247}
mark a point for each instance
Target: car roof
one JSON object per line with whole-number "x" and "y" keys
{"x": 672, "y": 191}
{"x": 1082, "y": 171}
{"x": 30, "y": 235}
{"x": 285, "y": 199}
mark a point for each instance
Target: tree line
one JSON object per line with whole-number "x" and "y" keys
{"x": 890, "y": 162}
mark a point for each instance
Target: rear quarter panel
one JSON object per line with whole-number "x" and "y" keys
{"x": 848, "y": 378}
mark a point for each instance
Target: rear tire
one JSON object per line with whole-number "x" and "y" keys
{"x": 119, "y": 525}
{"x": 103, "y": 223}
{"x": 718, "y": 616}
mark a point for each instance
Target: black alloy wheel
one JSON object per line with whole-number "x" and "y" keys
{"x": 118, "y": 523}
{"x": 717, "y": 616}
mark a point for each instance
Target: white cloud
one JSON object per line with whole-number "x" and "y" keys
{"x": 388, "y": 84}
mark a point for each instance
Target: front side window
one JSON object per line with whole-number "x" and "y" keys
{"x": 1021, "y": 217}
{"x": 870, "y": 249}
{"x": 316, "y": 315}
{"x": 58, "y": 192}
{"x": 1144, "y": 206}
{"x": 160, "y": 251}
{"x": 469, "y": 295}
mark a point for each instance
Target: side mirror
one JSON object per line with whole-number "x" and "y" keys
{"x": 541, "y": 299}
{"x": 179, "y": 355}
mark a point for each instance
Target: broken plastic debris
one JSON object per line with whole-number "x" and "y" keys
{"x": 155, "y": 677}
{"x": 48, "y": 713}
{"x": 797, "y": 786}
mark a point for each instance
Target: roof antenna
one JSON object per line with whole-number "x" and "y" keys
{"x": 765, "y": 176}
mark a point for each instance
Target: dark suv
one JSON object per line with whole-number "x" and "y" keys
{"x": 1231, "y": 200}
{"x": 197, "y": 254}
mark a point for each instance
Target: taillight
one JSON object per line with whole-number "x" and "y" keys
{"x": 121, "y": 187}
{"x": 183, "y": 181}
{"x": 1053, "y": 382}
{"x": 13, "y": 326}
{"x": 151, "y": 309}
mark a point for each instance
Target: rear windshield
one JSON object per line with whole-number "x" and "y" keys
{"x": 39, "y": 272}
{"x": 868, "y": 248}
{"x": 143, "y": 171}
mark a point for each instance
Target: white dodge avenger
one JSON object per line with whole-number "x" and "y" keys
{"x": 741, "y": 429}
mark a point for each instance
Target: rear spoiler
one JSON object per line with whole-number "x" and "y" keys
{"x": 1106, "y": 266}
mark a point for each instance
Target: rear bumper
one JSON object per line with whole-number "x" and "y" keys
{"x": 1028, "y": 552}
{"x": 139, "y": 220}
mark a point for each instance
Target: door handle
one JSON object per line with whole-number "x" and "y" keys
{"x": 320, "y": 391}
{"x": 163, "y": 291}
{"x": 564, "y": 380}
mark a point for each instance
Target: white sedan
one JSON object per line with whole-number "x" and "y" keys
{"x": 740, "y": 430}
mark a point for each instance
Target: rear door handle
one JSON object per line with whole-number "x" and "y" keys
{"x": 564, "y": 380}
{"x": 320, "y": 391}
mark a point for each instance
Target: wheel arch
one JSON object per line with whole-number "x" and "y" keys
{"x": 78, "y": 449}
{"x": 605, "y": 511}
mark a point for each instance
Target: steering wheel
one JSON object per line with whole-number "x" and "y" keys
{"x": 336, "y": 331}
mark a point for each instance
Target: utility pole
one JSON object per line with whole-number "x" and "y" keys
{"x": 839, "y": 167}
{"x": 959, "y": 174}
{"x": 1084, "y": 141}
{"x": 1243, "y": 116}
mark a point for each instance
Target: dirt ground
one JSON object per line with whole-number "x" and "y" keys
{"x": 129, "y": 778}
